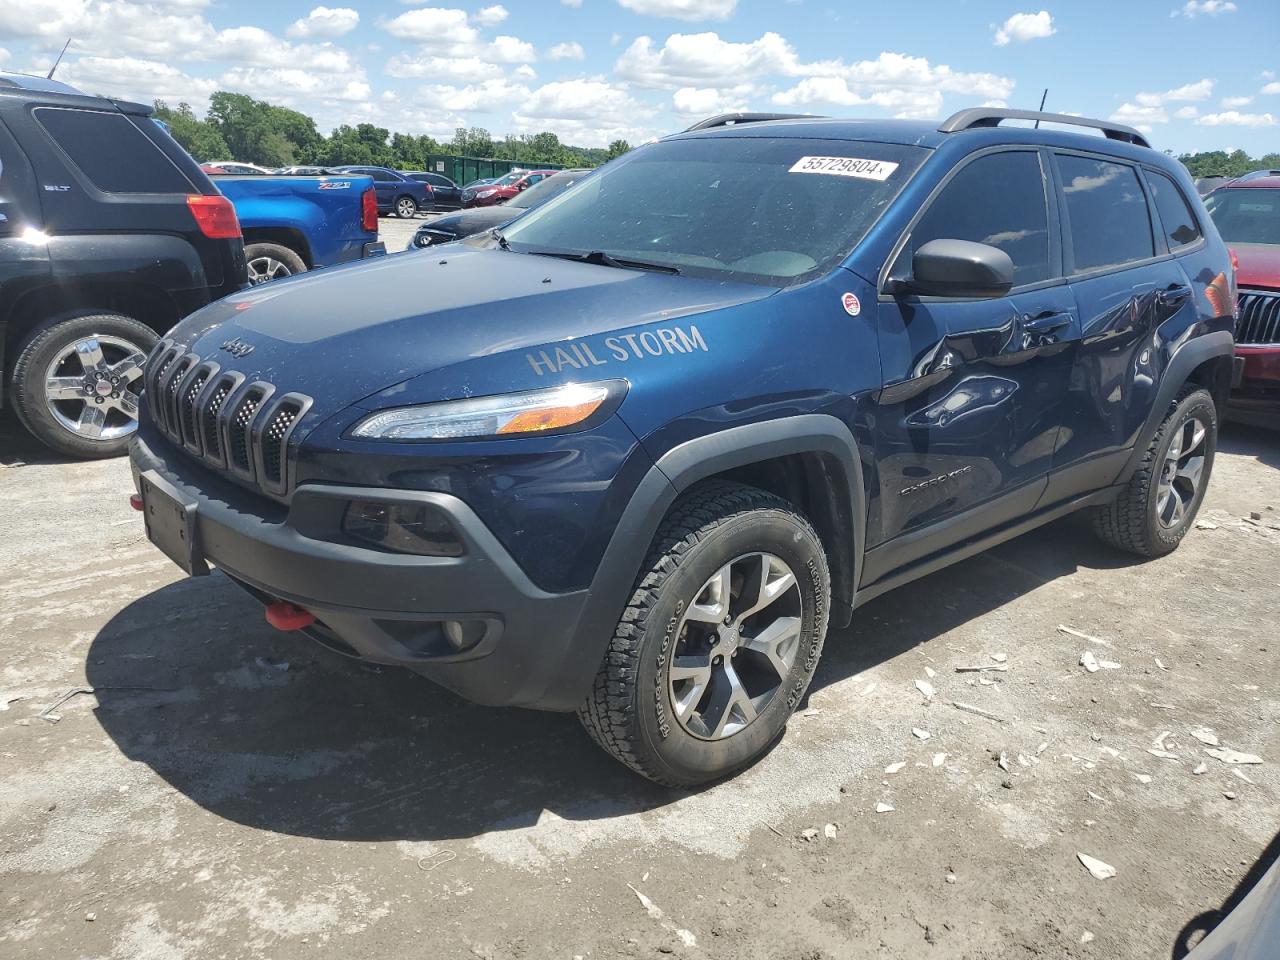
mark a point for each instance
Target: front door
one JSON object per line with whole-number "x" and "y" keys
{"x": 972, "y": 406}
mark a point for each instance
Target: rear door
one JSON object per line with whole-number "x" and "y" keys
{"x": 969, "y": 417}
{"x": 1126, "y": 284}
{"x": 24, "y": 265}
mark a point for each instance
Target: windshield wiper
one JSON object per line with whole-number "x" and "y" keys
{"x": 604, "y": 259}
{"x": 502, "y": 241}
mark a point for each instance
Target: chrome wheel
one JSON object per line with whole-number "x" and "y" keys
{"x": 735, "y": 645}
{"x": 1180, "y": 473}
{"x": 92, "y": 386}
{"x": 262, "y": 269}
{"x": 406, "y": 208}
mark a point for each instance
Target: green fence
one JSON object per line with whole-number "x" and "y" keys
{"x": 462, "y": 170}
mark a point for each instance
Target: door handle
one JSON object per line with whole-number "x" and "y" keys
{"x": 1173, "y": 294}
{"x": 1046, "y": 322}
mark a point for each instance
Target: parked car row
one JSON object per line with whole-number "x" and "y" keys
{"x": 476, "y": 219}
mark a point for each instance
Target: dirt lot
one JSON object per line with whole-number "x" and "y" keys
{"x": 229, "y": 791}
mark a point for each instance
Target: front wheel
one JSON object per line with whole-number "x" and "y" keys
{"x": 76, "y": 383}
{"x": 406, "y": 208}
{"x": 1156, "y": 508}
{"x": 718, "y": 642}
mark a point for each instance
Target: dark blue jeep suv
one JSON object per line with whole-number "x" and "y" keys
{"x": 633, "y": 457}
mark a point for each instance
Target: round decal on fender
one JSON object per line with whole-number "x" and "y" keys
{"x": 851, "y": 305}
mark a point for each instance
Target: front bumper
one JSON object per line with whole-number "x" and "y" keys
{"x": 1255, "y": 393}
{"x": 387, "y": 607}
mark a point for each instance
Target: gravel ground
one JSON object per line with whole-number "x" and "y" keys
{"x": 225, "y": 790}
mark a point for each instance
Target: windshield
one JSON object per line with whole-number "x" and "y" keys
{"x": 1248, "y": 215}
{"x": 544, "y": 191}
{"x": 508, "y": 180}
{"x": 763, "y": 210}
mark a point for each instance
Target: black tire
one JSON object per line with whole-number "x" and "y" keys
{"x": 629, "y": 711}
{"x": 29, "y": 386}
{"x": 288, "y": 261}
{"x": 1133, "y": 522}
{"x": 406, "y": 208}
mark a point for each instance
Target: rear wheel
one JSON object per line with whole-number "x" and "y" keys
{"x": 406, "y": 208}
{"x": 718, "y": 642}
{"x": 1157, "y": 507}
{"x": 272, "y": 261}
{"x": 76, "y": 383}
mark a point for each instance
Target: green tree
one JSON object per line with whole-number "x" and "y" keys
{"x": 200, "y": 138}
{"x": 260, "y": 132}
{"x": 617, "y": 149}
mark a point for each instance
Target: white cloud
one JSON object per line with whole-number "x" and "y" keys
{"x": 293, "y": 86}
{"x": 569, "y": 50}
{"x": 1271, "y": 88}
{"x": 572, "y": 3}
{"x": 479, "y": 96}
{"x": 906, "y": 86}
{"x": 133, "y": 79}
{"x": 703, "y": 59}
{"x": 509, "y": 50}
{"x": 1200, "y": 90}
{"x": 1025, "y": 26}
{"x": 1140, "y": 113}
{"x": 1208, "y": 8}
{"x": 1187, "y": 113}
{"x": 692, "y": 102}
{"x": 433, "y": 27}
{"x": 1232, "y": 102}
{"x": 586, "y": 111}
{"x": 490, "y": 16}
{"x": 325, "y": 22}
{"x": 683, "y": 9}
{"x": 409, "y": 66}
{"x": 1233, "y": 118}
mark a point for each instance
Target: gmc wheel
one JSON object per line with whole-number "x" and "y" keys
{"x": 76, "y": 381}
{"x": 718, "y": 642}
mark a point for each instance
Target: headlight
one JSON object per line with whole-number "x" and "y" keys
{"x": 534, "y": 411}
{"x": 486, "y": 193}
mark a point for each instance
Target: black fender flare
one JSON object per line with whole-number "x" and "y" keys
{"x": 1192, "y": 353}
{"x": 672, "y": 474}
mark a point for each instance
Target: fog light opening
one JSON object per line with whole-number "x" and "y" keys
{"x": 463, "y": 634}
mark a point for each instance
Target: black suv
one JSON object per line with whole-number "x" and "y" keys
{"x": 109, "y": 234}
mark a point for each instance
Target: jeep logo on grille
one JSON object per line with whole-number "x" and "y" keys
{"x": 237, "y": 347}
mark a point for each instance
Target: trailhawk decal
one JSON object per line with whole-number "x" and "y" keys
{"x": 845, "y": 167}
{"x": 619, "y": 348}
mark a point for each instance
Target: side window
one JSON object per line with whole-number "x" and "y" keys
{"x": 1176, "y": 218}
{"x": 998, "y": 200}
{"x": 113, "y": 154}
{"x": 382, "y": 176}
{"x": 1107, "y": 213}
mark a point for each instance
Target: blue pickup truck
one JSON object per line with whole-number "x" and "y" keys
{"x": 295, "y": 224}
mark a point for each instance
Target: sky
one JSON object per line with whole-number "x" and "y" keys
{"x": 1193, "y": 74}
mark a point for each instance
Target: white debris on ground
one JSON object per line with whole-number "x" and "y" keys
{"x": 1096, "y": 867}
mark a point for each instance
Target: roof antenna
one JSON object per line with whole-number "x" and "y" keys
{"x": 59, "y": 60}
{"x": 1043, "y": 97}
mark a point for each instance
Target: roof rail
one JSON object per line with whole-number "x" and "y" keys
{"x": 991, "y": 116}
{"x": 1256, "y": 174}
{"x": 732, "y": 119}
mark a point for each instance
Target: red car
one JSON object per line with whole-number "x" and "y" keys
{"x": 502, "y": 190}
{"x": 1247, "y": 214}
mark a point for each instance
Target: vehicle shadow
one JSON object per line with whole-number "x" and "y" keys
{"x": 1248, "y": 441}
{"x": 1205, "y": 923}
{"x": 18, "y": 448}
{"x": 191, "y": 681}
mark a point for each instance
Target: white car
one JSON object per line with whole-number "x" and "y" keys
{"x": 243, "y": 169}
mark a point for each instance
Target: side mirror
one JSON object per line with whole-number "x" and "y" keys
{"x": 960, "y": 268}
{"x": 521, "y": 185}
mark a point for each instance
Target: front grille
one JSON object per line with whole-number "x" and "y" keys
{"x": 1258, "y": 317}
{"x": 234, "y": 425}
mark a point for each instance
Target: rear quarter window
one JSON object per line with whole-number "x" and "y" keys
{"x": 1176, "y": 219}
{"x": 111, "y": 153}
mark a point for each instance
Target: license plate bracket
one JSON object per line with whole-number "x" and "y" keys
{"x": 170, "y": 518}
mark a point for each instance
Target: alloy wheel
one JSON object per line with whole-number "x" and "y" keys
{"x": 92, "y": 387}
{"x": 262, "y": 269}
{"x": 1181, "y": 473}
{"x": 735, "y": 645}
{"x": 406, "y": 208}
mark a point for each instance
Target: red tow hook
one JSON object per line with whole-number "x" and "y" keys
{"x": 287, "y": 616}
{"x": 135, "y": 501}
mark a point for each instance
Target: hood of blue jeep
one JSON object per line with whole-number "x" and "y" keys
{"x": 341, "y": 334}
